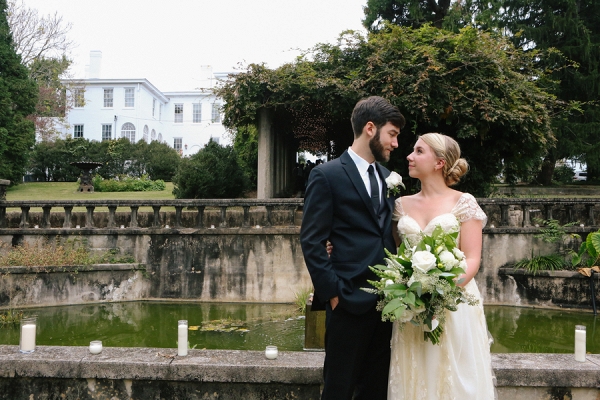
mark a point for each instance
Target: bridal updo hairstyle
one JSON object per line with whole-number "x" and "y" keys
{"x": 447, "y": 149}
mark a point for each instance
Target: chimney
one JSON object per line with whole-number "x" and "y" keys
{"x": 93, "y": 71}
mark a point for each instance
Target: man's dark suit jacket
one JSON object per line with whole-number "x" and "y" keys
{"x": 337, "y": 207}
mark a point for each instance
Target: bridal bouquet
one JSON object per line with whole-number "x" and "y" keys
{"x": 419, "y": 283}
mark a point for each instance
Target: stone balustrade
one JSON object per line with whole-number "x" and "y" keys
{"x": 502, "y": 213}
{"x": 65, "y": 207}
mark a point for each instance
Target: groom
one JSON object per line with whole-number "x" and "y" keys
{"x": 346, "y": 202}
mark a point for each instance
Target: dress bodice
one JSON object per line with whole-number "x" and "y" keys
{"x": 465, "y": 209}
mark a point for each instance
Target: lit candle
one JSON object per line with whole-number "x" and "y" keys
{"x": 77, "y": 227}
{"x": 122, "y": 226}
{"x": 96, "y": 346}
{"x": 212, "y": 227}
{"x": 182, "y": 338}
{"x": 271, "y": 352}
{"x": 166, "y": 226}
{"x": 28, "y": 329}
{"x": 580, "y": 343}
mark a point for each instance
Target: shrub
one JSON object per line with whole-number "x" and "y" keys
{"x": 213, "y": 172}
{"x": 127, "y": 184}
{"x": 563, "y": 174}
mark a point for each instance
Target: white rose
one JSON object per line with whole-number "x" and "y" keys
{"x": 389, "y": 282}
{"x": 448, "y": 260}
{"x": 423, "y": 261}
{"x": 463, "y": 264}
{"x": 458, "y": 253}
{"x": 393, "y": 180}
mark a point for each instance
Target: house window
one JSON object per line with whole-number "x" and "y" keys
{"x": 177, "y": 144}
{"x": 106, "y": 132}
{"x": 78, "y": 131}
{"x": 128, "y": 131}
{"x": 108, "y": 98}
{"x": 78, "y": 98}
{"x": 216, "y": 113}
{"x": 146, "y": 133}
{"x": 153, "y": 106}
{"x": 160, "y": 137}
{"x": 178, "y": 113}
{"x": 129, "y": 97}
{"x": 160, "y": 112}
{"x": 197, "y": 118}
{"x": 153, "y": 135}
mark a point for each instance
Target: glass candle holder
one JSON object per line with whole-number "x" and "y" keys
{"x": 580, "y": 343}
{"x": 271, "y": 352}
{"x": 182, "y": 338}
{"x": 28, "y": 331}
{"x": 96, "y": 346}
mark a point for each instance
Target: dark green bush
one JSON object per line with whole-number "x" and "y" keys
{"x": 563, "y": 174}
{"x": 212, "y": 173}
{"x": 127, "y": 184}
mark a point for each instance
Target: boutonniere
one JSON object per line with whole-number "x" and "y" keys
{"x": 393, "y": 182}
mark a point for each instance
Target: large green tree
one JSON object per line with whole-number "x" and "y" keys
{"x": 18, "y": 96}
{"x": 410, "y": 13}
{"x": 573, "y": 28}
{"x": 472, "y": 86}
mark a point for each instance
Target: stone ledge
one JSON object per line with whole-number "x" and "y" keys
{"x": 234, "y": 366}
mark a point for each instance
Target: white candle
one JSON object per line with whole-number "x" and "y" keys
{"x": 182, "y": 338}
{"x": 77, "y": 227}
{"x": 27, "y": 338}
{"x": 122, "y": 226}
{"x": 212, "y": 227}
{"x": 166, "y": 226}
{"x": 96, "y": 346}
{"x": 580, "y": 343}
{"x": 271, "y": 352}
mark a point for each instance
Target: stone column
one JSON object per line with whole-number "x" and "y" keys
{"x": 3, "y": 185}
{"x": 266, "y": 155}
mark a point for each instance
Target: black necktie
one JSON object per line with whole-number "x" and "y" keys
{"x": 374, "y": 189}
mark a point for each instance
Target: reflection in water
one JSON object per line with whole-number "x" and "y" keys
{"x": 535, "y": 330}
{"x": 253, "y": 326}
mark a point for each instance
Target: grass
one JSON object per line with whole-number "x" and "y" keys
{"x": 68, "y": 191}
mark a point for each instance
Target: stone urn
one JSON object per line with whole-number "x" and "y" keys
{"x": 85, "y": 180}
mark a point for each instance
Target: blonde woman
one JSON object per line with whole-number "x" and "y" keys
{"x": 459, "y": 367}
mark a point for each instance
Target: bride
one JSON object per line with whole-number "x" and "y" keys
{"x": 459, "y": 367}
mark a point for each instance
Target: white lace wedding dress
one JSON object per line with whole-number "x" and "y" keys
{"x": 459, "y": 367}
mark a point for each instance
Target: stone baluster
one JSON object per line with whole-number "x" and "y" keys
{"x": 200, "y": 217}
{"x": 46, "y": 216}
{"x": 548, "y": 211}
{"x": 526, "y": 216}
{"x": 504, "y": 214}
{"x": 111, "y": 217}
{"x": 24, "y": 217}
{"x": 178, "y": 210}
{"x": 269, "y": 216}
{"x": 223, "y": 222}
{"x": 3, "y": 219}
{"x": 590, "y": 214}
{"x": 68, "y": 215}
{"x": 569, "y": 212}
{"x": 89, "y": 216}
{"x": 134, "y": 214}
{"x": 293, "y": 215}
{"x": 246, "y": 221}
{"x": 156, "y": 219}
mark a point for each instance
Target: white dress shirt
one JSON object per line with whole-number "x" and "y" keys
{"x": 362, "y": 165}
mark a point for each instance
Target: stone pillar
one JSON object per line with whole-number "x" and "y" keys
{"x": 3, "y": 185}
{"x": 266, "y": 155}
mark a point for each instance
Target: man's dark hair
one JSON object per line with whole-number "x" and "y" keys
{"x": 377, "y": 110}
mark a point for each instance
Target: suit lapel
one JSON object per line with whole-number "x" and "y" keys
{"x": 352, "y": 172}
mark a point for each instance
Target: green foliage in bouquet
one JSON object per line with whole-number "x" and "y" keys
{"x": 419, "y": 283}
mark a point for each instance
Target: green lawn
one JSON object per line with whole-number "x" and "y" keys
{"x": 68, "y": 191}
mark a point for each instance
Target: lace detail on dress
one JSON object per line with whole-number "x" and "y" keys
{"x": 466, "y": 208}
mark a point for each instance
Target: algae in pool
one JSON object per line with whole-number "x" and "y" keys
{"x": 253, "y": 326}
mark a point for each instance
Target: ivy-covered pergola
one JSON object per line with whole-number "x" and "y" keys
{"x": 472, "y": 85}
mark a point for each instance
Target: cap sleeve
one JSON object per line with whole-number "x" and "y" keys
{"x": 467, "y": 208}
{"x": 398, "y": 210}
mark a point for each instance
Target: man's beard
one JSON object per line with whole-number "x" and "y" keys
{"x": 377, "y": 148}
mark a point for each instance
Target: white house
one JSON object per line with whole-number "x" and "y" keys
{"x": 134, "y": 108}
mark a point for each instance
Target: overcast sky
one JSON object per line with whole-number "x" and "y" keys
{"x": 167, "y": 41}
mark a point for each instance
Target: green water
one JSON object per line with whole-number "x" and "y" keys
{"x": 253, "y": 326}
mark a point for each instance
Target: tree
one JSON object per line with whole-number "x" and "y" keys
{"x": 43, "y": 43}
{"x": 18, "y": 96}
{"x": 573, "y": 28}
{"x": 245, "y": 144}
{"x": 213, "y": 172}
{"x": 472, "y": 85}
{"x": 157, "y": 160}
{"x": 409, "y": 13}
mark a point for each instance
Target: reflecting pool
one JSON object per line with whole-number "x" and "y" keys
{"x": 253, "y": 326}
